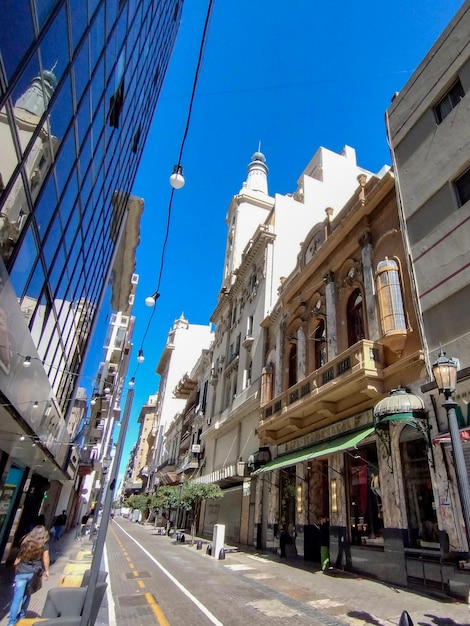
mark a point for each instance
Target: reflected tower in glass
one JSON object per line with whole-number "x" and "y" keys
{"x": 79, "y": 83}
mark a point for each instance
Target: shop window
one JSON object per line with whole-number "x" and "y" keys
{"x": 419, "y": 497}
{"x": 287, "y": 494}
{"x": 389, "y": 294}
{"x": 355, "y": 317}
{"x": 365, "y": 499}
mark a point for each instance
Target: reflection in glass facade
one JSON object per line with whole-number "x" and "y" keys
{"x": 79, "y": 82}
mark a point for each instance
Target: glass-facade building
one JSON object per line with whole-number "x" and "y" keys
{"x": 79, "y": 83}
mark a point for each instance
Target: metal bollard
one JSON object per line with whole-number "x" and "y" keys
{"x": 221, "y": 554}
{"x": 209, "y": 549}
{"x": 182, "y": 538}
{"x": 199, "y": 545}
{"x": 405, "y": 619}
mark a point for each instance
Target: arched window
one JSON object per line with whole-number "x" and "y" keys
{"x": 320, "y": 345}
{"x": 355, "y": 317}
{"x": 389, "y": 294}
{"x": 292, "y": 364}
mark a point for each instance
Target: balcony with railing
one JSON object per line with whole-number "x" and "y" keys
{"x": 347, "y": 382}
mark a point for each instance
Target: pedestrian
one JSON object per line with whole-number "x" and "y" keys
{"x": 33, "y": 557}
{"x": 84, "y": 524}
{"x": 59, "y": 524}
{"x": 324, "y": 542}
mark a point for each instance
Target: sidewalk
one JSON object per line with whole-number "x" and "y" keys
{"x": 338, "y": 593}
{"x": 70, "y": 557}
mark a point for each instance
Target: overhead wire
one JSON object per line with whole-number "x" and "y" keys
{"x": 180, "y": 155}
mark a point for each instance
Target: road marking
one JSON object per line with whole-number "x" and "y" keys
{"x": 183, "y": 589}
{"x": 157, "y": 610}
{"x": 141, "y": 584}
{"x": 109, "y": 595}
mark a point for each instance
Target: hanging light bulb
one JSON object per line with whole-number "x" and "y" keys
{"x": 151, "y": 300}
{"x": 132, "y": 382}
{"x": 35, "y": 404}
{"x": 22, "y": 438}
{"x": 140, "y": 356}
{"x": 107, "y": 389}
{"x": 27, "y": 361}
{"x": 93, "y": 401}
{"x": 177, "y": 178}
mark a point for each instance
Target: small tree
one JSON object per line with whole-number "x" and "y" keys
{"x": 166, "y": 498}
{"x": 137, "y": 501}
{"x": 194, "y": 494}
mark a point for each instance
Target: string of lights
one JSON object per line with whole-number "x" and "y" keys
{"x": 177, "y": 182}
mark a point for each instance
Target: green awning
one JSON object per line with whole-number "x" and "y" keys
{"x": 327, "y": 447}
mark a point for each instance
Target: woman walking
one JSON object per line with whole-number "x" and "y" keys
{"x": 32, "y": 557}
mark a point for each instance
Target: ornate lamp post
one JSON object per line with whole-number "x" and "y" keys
{"x": 445, "y": 373}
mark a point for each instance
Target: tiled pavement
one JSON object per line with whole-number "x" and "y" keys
{"x": 340, "y": 598}
{"x": 70, "y": 557}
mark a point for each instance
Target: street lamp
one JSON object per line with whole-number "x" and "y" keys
{"x": 445, "y": 373}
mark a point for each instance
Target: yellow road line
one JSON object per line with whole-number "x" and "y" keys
{"x": 157, "y": 610}
{"x": 141, "y": 584}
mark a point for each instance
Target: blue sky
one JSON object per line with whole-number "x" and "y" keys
{"x": 293, "y": 76}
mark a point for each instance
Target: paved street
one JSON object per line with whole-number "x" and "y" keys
{"x": 156, "y": 580}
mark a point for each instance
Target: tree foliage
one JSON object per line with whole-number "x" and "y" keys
{"x": 137, "y": 501}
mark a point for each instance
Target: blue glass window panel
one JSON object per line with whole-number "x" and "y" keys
{"x": 92, "y": 4}
{"x": 97, "y": 85}
{"x": 46, "y": 207}
{"x": 43, "y": 8}
{"x": 54, "y": 47}
{"x": 36, "y": 282}
{"x": 25, "y": 260}
{"x": 16, "y": 32}
{"x": 52, "y": 241}
{"x": 55, "y": 272}
{"x": 87, "y": 181}
{"x": 65, "y": 160}
{"x": 97, "y": 37}
{"x": 61, "y": 111}
{"x": 111, "y": 13}
{"x": 79, "y": 21}
{"x": 81, "y": 71}
{"x": 68, "y": 200}
{"x": 83, "y": 117}
{"x": 72, "y": 228}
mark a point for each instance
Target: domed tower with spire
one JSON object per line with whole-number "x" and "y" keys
{"x": 247, "y": 210}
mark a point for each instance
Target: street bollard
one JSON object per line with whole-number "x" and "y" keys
{"x": 209, "y": 549}
{"x": 199, "y": 545}
{"x": 221, "y": 554}
{"x": 405, "y": 619}
{"x": 182, "y": 538}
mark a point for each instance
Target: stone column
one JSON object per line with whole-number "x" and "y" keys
{"x": 331, "y": 328}
{"x": 369, "y": 286}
